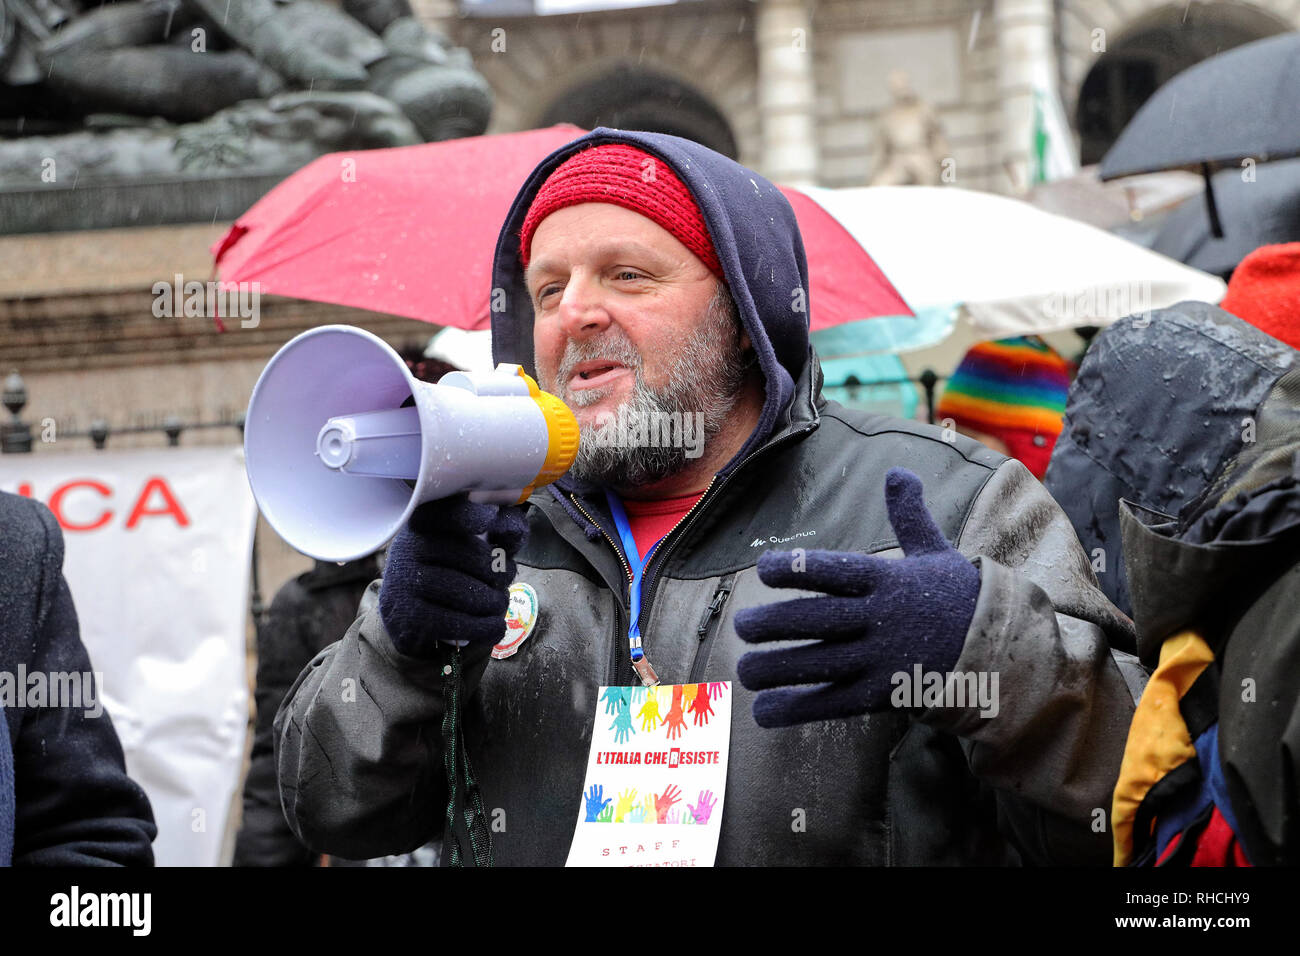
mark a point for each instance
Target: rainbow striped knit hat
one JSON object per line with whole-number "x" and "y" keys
{"x": 1013, "y": 389}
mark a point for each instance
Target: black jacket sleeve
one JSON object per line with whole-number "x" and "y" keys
{"x": 308, "y": 614}
{"x": 264, "y": 837}
{"x": 359, "y": 743}
{"x": 75, "y": 804}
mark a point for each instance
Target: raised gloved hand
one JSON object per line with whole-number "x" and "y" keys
{"x": 443, "y": 582}
{"x": 879, "y": 616}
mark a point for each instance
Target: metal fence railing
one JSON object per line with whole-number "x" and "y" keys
{"x": 882, "y": 395}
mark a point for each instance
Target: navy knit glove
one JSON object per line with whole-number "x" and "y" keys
{"x": 443, "y": 582}
{"x": 881, "y": 616}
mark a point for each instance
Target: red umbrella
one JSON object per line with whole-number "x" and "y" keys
{"x": 411, "y": 231}
{"x": 847, "y": 285}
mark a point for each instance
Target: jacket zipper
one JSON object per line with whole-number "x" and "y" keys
{"x": 689, "y": 512}
{"x": 708, "y": 628}
{"x": 617, "y": 550}
{"x": 647, "y": 599}
{"x": 719, "y": 598}
{"x": 618, "y": 677}
{"x": 636, "y": 669}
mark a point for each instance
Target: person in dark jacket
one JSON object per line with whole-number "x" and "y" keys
{"x": 1182, "y": 442}
{"x": 307, "y": 614}
{"x": 75, "y": 804}
{"x": 646, "y": 275}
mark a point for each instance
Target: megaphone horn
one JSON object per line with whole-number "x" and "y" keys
{"x": 342, "y": 443}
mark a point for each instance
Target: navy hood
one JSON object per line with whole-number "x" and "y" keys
{"x": 1159, "y": 405}
{"x": 754, "y": 233}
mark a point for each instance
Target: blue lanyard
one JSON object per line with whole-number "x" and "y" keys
{"x": 637, "y": 566}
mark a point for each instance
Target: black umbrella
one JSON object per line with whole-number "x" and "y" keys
{"x": 1241, "y": 104}
{"x": 1254, "y": 213}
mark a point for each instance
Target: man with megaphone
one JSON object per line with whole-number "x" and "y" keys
{"x": 658, "y": 288}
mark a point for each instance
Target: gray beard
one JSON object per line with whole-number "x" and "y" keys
{"x": 705, "y": 382}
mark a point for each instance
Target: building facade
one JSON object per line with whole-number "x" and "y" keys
{"x": 794, "y": 88}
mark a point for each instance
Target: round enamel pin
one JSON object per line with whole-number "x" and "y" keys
{"x": 521, "y": 618}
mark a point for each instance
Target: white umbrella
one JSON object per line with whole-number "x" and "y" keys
{"x": 1119, "y": 202}
{"x": 470, "y": 351}
{"x": 1002, "y": 265}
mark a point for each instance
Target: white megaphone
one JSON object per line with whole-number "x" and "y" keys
{"x": 342, "y": 443}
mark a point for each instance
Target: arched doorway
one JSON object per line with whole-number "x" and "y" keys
{"x": 629, "y": 97}
{"x": 1153, "y": 49}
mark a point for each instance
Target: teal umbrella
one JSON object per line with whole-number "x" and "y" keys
{"x": 860, "y": 362}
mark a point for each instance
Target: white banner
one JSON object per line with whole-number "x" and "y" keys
{"x": 157, "y": 558}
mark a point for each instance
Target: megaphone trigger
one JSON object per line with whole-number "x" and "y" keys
{"x": 342, "y": 443}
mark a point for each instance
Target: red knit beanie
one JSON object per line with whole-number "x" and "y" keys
{"x": 1265, "y": 291}
{"x": 629, "y": 177}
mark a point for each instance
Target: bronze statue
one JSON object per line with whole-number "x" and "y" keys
{"x": 180, "y": 87}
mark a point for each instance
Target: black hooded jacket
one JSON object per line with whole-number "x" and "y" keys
{"x": 947, "y": 787}
{"x": 1192, "y": 416}
{"x": 1161, "y": 402}
{"x": 308, "y": 614}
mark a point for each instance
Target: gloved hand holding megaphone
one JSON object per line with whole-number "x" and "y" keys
{"x": 448, "y": 575}
{"x": 345, "y": 449}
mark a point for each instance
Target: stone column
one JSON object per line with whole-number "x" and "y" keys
{"x": 787, "y": 95}
{"x": 1025, "y": 62}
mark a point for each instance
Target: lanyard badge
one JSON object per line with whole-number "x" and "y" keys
{"x": 656, "y": 777}
{"x": 640, "y": 663}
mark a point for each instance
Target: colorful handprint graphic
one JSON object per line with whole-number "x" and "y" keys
{"x": 652, "y": 808}
{"x": 664, "y": 802}
{"x": 623, "y": 808}
{"x": 700, "y": 706}
{"x": 596, "y": 802}
{"x": 704, "y": 808}
{"x": 675, "y": 722}
{"x": 649, "y": 712}
{"x": 639, "y": 796}
{"x": 622, "y": 725}
{"x": 613, "y": 696}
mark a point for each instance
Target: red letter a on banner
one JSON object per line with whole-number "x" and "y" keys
{"x": 171, "y": 507}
